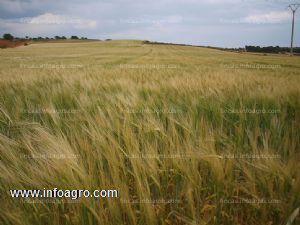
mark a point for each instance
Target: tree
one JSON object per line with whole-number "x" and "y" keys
{"x": 8, "y": 37}
{"x": 74, "y": 37}
{"x": 58, "y": 37}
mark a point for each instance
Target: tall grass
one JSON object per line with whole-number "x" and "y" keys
{"x": 182, "y": 137}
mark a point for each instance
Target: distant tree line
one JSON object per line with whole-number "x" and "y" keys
{"x": 164, "y": 43}
{"x": 270, "y": 49}
{"x": 248, "y": 48}
{"x": 10, "y": 37}
{"x": 218, "y": 48}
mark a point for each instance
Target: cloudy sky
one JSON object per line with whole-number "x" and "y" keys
{"x": 226, "y": 23}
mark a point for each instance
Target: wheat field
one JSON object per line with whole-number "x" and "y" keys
{"x": 188, "y": 135}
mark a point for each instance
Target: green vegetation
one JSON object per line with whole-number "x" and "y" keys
{"x": 270, "y": 49}
{"x": 157, "y": 122}
{"x": 8, "y": 37}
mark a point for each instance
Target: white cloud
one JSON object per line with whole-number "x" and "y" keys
{"x": 146, "y": 19}
{"x": 54, "y": 19}
{"x": 267, "y": 18}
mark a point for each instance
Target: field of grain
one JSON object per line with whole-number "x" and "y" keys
{"x": 187, "y": 135}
